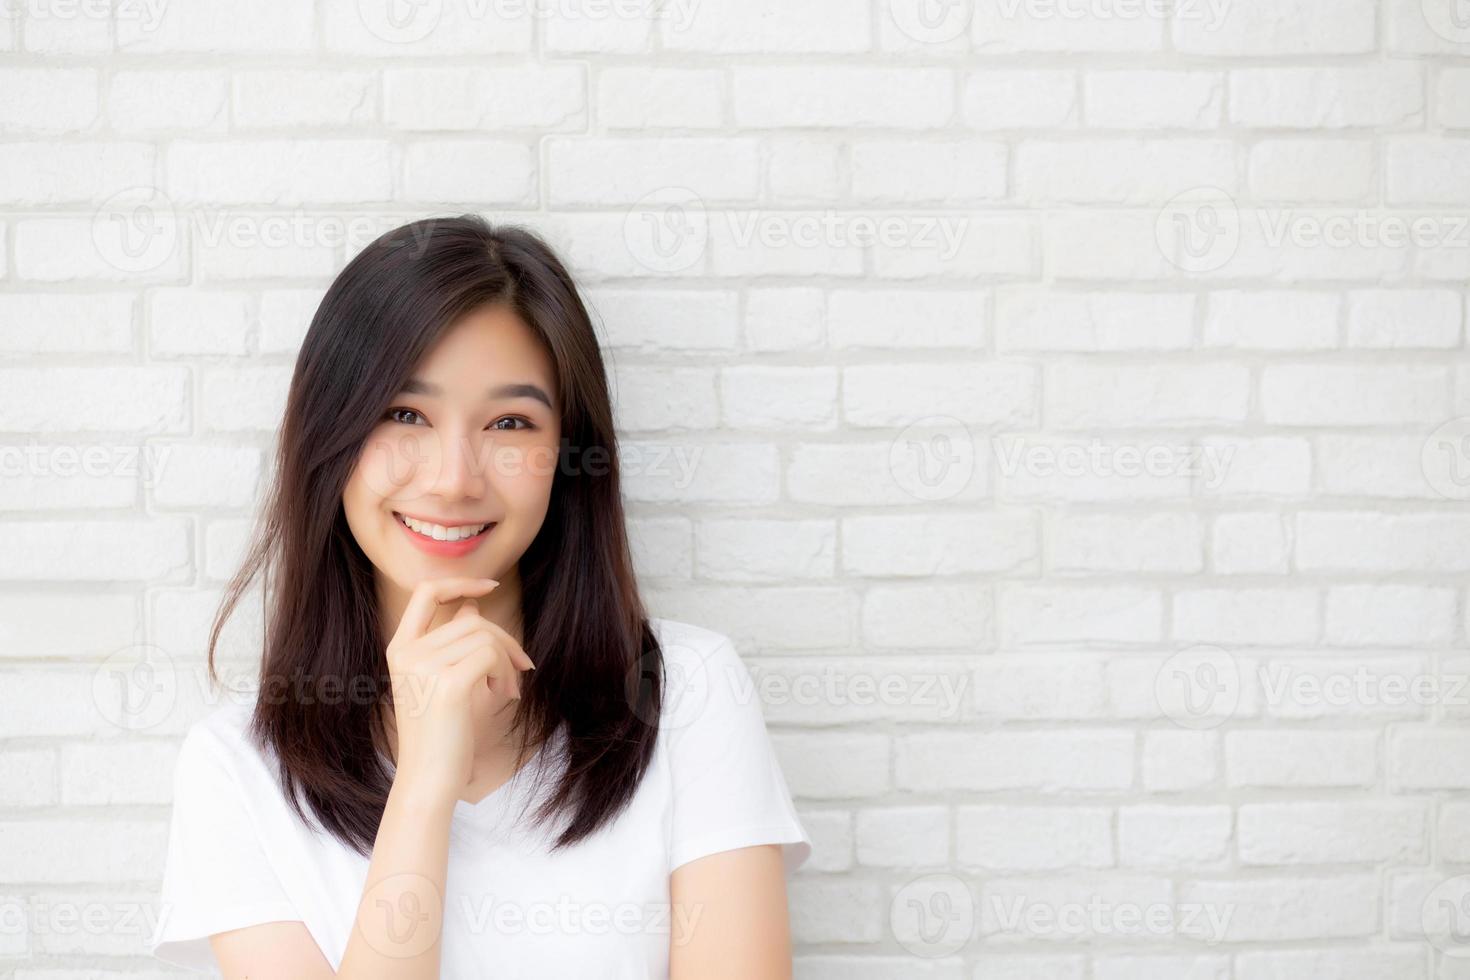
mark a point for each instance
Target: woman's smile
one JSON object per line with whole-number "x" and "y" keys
{"x": 439, "y": 539}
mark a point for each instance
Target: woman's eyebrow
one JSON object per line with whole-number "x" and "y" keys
{"x": 523, "y": 389}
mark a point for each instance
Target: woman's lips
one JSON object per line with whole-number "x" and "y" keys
{"x": 450, "y": 549}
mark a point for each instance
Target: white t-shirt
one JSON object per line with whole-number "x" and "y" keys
{"x": 238, "y": 855}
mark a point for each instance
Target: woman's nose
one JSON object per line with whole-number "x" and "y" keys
{"x": 462, "y": 466}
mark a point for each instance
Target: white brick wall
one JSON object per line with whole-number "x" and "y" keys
{"x": 1076, "y": 393}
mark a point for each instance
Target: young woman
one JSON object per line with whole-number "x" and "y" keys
{"x": 471, "y": 753}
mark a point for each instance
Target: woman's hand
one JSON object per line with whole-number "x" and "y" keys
{"x": 434, "y": 675}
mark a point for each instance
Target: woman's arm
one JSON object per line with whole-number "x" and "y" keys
{"x": 400, "y": 915}
{"x": 729, "y": 917}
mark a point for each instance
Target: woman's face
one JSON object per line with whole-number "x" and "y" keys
{"x": 468, "y": 442}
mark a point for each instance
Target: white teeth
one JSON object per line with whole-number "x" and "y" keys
{"x": 441, "y": 533}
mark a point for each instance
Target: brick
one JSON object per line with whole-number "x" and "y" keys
{"x": 153, "y": 100}
{"x": 902, "y": 319}
{"x": 154, "y": 400}
{"x": 220, "y": 27}
{"x": 752, "y": 550}
{"x": 1375, "y": 542}
{"x": 1019, "y": 99}
{"x": 1392, "y": 615}
{"x": 1159, "y": 542}
{"x": 1051, "y": 320}
{"x": 1143, "y": 395}
{"x": 1427, "y": 171}
{"x": 1284, "y": 909}
{"x": 1255, "y": 28}
{"x": 1287, "y": 615}
{"x": 1332, "y": 833}
{"x": 42, "y": 323}
{"x": 1153, "y": 836}
{"x": 902, "y": 837}
{"x": 49, "y": 100}
{"x": 660, "y": 98}
{"x": 1136, "y": 99}
{"x": 908, "y": 98}
{"x": 1122, "y": 171}
{"x": 770, "y": 26}
{"x": 279, "y": 172}
{"x": 1034, "y": 838}
{"x": 938, "y": 544}
{"x": 1404, "y": 318}
{"x": 1310, "y": 170}
{"x": 1244, "y": 544}
{"x": 1277, "y": 759}
{"x": 36, "y": 173}
{"x": 280, "y": 98}
{"x": 1339, "y": 395}
{"x": 470, "y": 170}
{"x": 1389, "y": 94}
{"x": 541, "y": 98}
{"x": 1044, "y": 762}
{"x": 622, "y": 171}
{"x": 797, "y": 398}
{"x": 1062, "y": 614}
{"x": 906, "y": 171}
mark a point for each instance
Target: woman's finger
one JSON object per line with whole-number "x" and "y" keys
{"x": 483, "y": 661}
{"x": 518, "y": 655}
{"x": 425, "y": 600}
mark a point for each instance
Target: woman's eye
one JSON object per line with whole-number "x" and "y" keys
{"x": 511, "y": 418}
{"x": 395, "y": 413}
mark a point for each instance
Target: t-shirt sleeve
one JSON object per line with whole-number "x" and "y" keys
{"x": 728, "y": 788}
{"x": 216, "y": 874}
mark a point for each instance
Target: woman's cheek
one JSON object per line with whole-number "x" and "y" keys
{"x": 396, "y": 464}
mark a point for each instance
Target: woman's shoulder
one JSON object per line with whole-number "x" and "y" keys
{"x": 220, "y": 738}
{"x": 701, "y": 656}
{"x": 707, "y": 680}
{"x": 680, "y": 639}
